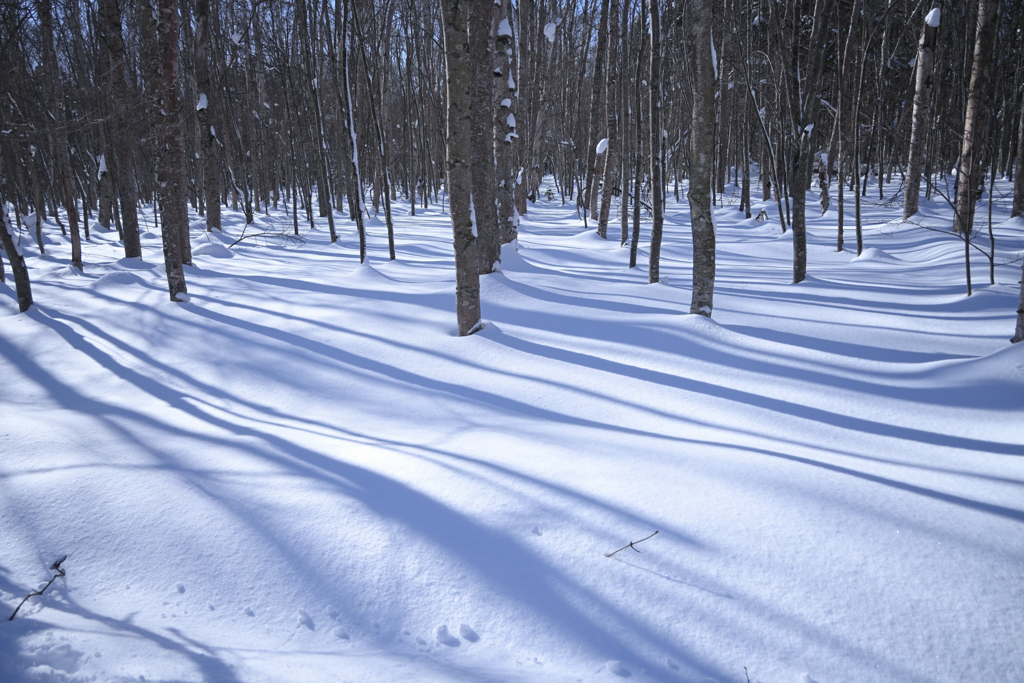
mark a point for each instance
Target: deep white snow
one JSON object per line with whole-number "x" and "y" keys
{"x": 304, "y": 474}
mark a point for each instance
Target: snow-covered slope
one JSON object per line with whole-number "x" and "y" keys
{"x": 304, "y": 474}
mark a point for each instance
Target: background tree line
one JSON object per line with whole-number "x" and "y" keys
{"x": 316, "y": 105}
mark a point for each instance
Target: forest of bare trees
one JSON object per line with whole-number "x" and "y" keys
{"x": 311, "y": 106}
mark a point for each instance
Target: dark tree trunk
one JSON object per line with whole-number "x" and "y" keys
{"x": 460, "y": 128}
{"x": 22, "y": 285}
{"x": 481, "y": 59}
{"x": 1018, "y": 174}
{"x": 128, "y": 196}
{"x": 654, "y": 136}
{"x": 60, "y": 136}
{"x": 207, "y": 95}
{"x": 597, "y": 102}
{"x": 702, "y": 154}
{"x": 611, "y": 156}
{"x": 171, "y": 173}
{"x": 803, "y": 83}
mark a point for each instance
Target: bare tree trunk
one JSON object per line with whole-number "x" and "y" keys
{"x": 634, "y": 243}
{"x": 460, "y": 128}
{"x": 22, "y": 285}
{"x": 323, "y": 170}
{"x": 171, "y": 173}
{"x": 922, "y": 102}
{"x": 381, "y": 146}
{"x": 106, "y": 192}
{"x": 481, "y": 155}
{"x": 804, "y": 96}
{"x": 37, "y": 196}
{"x": 654, "y": 126}
{"x": 1018, "y": 174}
{"x": 597, "y": 102}
{"x": 1018, "y": 334}
{"x": 348, "y": 137}
{"x": 702, "y": 157}
{"x": 128, "y": 197}
{"x": 60, "y": 136}
{"x": 504, "y": 126}
{"x": 611, "y": 157}
{"x": 973, "y": 144}
{"x": 207, "y": 140}
{"x": 623, "y": 105}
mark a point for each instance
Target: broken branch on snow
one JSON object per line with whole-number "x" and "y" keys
{"x": 631, "y": 544}
{"x": 60, "y": 572}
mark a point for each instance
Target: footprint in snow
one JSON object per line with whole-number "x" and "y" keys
{"x": 446, "y": 638}
{"x": 304, "y": 619}
{"x": 467, "y": 632}
{"x": 616, "y": 667}
{"x": 180, "y": 587}
{"x": 248, "y": 612}
{"x": 340, "y": 633}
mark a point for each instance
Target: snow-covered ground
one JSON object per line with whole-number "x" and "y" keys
{"x": 305, "y": 475}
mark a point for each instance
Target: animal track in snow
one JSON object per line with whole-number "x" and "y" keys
{"x": 305, "y": 620}
{"x": 180, "y": 587}
{"x": 248, "y": 612}
{"x": 339, "y": 633}
{"x": 445, "y": 638}
{"x": 466, "y": 631}
{"x": 536, "y": 531}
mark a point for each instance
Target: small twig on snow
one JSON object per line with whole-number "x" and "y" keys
{"x": 60, "y": 572}
{"x": 631, "y": 544}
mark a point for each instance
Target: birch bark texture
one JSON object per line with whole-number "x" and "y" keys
{"x": 460, "y": 199}
{"x": 972, "y": 145}
{"x": 922, "y": 104}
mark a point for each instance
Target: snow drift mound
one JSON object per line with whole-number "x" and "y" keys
{"x": 117, "y": 279}
{"x": 876, "y": 255}
{"x": 214, "y": 249}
